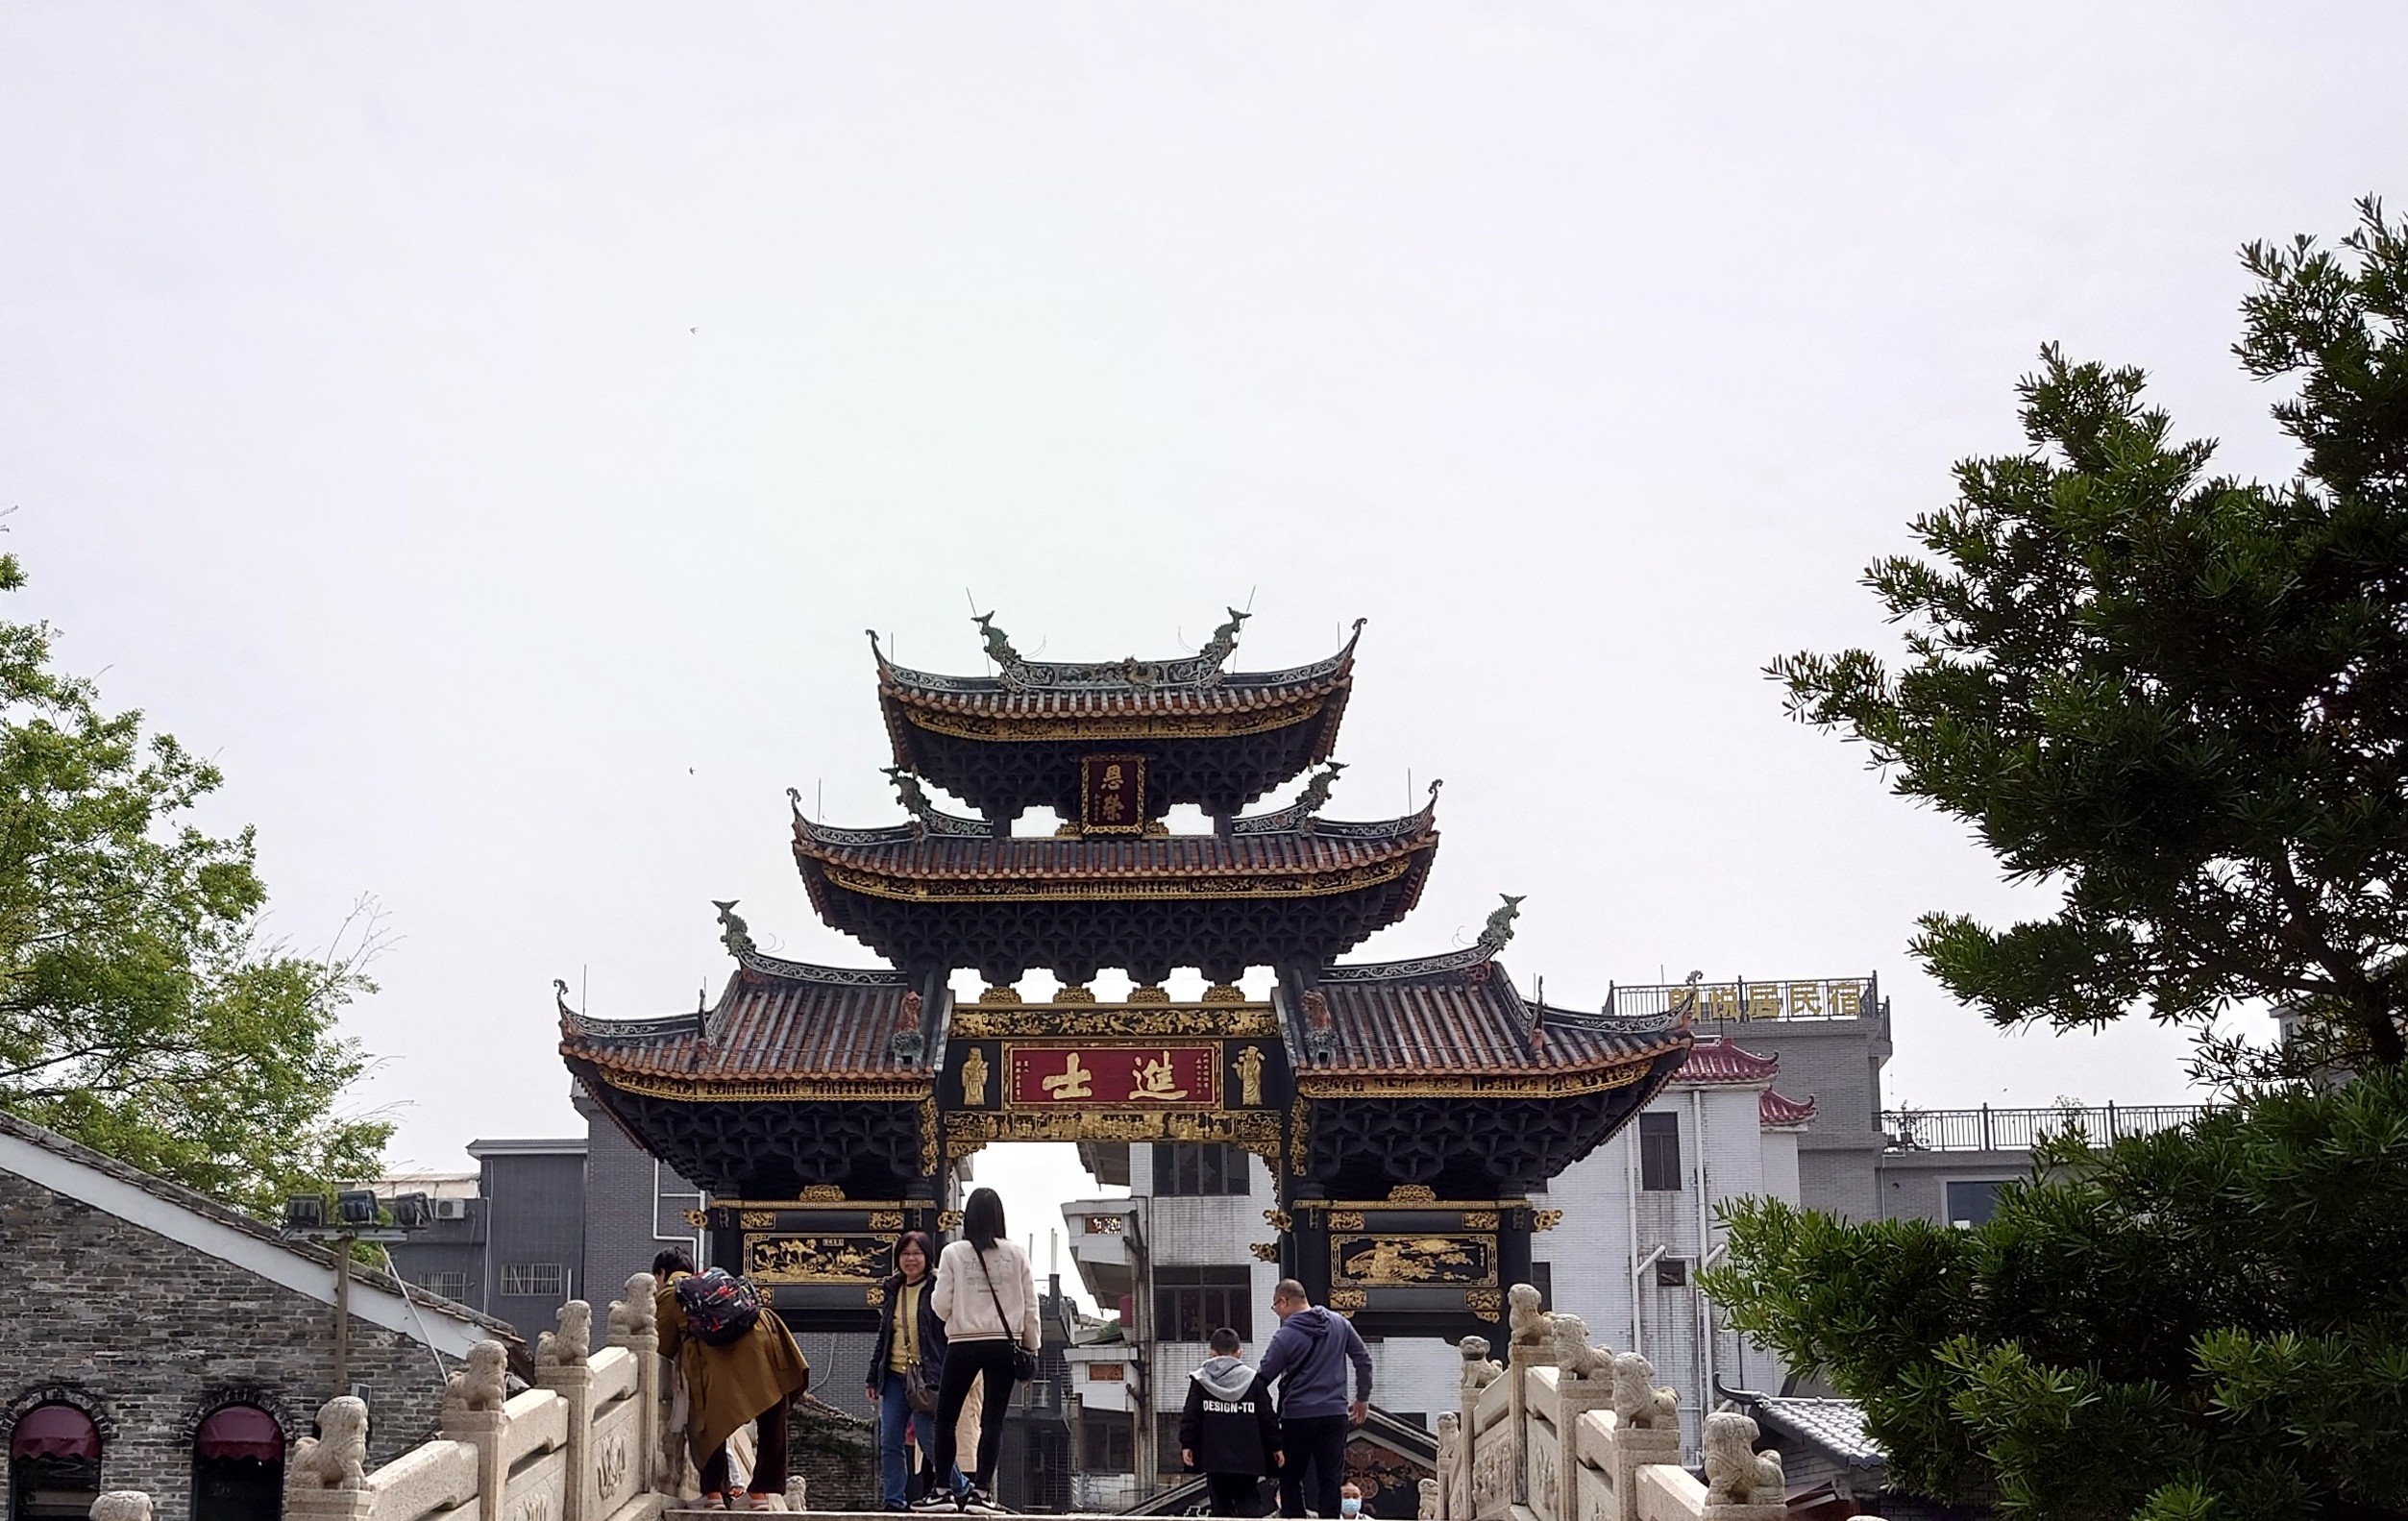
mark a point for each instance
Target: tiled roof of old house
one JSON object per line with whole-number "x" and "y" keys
{"x": 775, "y": 1019}
{"x": 1718, "y": 1059}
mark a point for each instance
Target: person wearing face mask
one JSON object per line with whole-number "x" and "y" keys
{"x": 1350, "y": 1500}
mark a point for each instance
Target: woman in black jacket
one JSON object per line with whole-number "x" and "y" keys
{"x": 910, "y": 1336}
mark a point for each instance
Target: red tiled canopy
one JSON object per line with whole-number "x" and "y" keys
{"x": 240, "y": 1431}
{"x": 54, "y": 1430}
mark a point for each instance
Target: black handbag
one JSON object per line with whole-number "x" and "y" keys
{"x": 1023, "y": 1361}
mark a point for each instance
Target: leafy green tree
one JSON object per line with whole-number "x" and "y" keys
{"x": 2179, "y": 698}
{"x": 2208, "y": 1322}
{"x": 141, "y": 1011}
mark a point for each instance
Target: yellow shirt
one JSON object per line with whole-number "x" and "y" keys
{"x": 906, "y": 1349}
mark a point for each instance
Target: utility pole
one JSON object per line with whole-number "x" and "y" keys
{"x": 359, "y": 1216}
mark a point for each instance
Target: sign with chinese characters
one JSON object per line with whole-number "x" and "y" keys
{"x": 1162, "y": 1076}
{"x": 815, "y": 1258}
{"x": 1815, "y": 998}
{"x": 1112, "y": 793}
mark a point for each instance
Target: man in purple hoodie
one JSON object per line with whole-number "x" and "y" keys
{"x": 1308, "y": 1358}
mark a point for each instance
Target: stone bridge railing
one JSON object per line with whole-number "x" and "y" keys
{"x": 1578, "y": 1432}
{"x": 584, "y": 1444}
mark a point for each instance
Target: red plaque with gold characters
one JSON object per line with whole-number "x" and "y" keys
{"x": 1053, "y": 1076}
{"x": 1112, "y": 793}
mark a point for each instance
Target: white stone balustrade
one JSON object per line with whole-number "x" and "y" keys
{"x": 1576, "y": 1433}
{"x": 578, "y": 1446}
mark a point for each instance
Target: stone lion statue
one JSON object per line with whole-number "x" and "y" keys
{"x": 637, "y": 1314}
{"x": 1480, "y": 1371}
{"x": 481, "y": 1383}
{"x": 338, "y": 1460}
{"x": 1638, "y": 1405}
{"x": 1572, "y": 1352}
{"x": 1523, "y": 1318}
{"x": 1736, "y": 1474}
{"x": 121, "y": 1505}
{"x": 573, "y": 1344}
{"x": 1428, "y": 1512}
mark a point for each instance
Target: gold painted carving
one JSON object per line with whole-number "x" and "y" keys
{"x": 1546, "y": 1219}
{"x": 1075, "y": 992}
{"x": 1414, "y": 1261}
{"x": 696, "y": 1219}
{"x": 823, "y": 1194}
{"x": 1257, "y": 1133}
{"x": 758, "y": 1219}
{"x": 812, "y": 1259}
{"x": 1470, "y": 1084}
{"x": 1411, "y": 1193}
{"x": 875, "y": 1295}
{"x": 1225, "y": 1020}
{"x": 887, "y": 1220}
{"x": 1264, "y": 1251}
{"x": 1345, "y": 1220}
{"x": 1281, "y": 1220}
{"x": 974, "y": 1078}
{"x": 1224, "y": 992}
{"x": 1346, "y": 1301}
{"x": 1480, "y": 1220}
{"x": 1150, "y": 994}
{"x": 993, "y": 996}
{"x": 1485, "y": 1303}
{"x": 719, "y": 1091}
{"x": 1300, "y": 1135}
{"x": 949, "y": 1220}
{"x": 1250, "y": 1075}
{"x": 929, "y": 1150}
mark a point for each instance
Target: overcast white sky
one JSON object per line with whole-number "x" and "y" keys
{"x": 488, "y": 429}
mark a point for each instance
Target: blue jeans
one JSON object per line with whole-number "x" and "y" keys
{"x": 894, "y": 1409}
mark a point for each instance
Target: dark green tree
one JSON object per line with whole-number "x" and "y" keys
{"x": 2207, "y": 1322}
{"x": 141, "y": 1011}
{"x": 2178, "y": 697}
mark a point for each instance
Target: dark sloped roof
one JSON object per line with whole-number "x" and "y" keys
{"x": 201, "y": 1204}
{"x": 1266, "y": 861}
{"x": 1183, "y": 684}
{"x": 1458, "y": 1013}
{"x": 774, "y": 1020}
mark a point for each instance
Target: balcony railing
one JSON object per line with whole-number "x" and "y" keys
{"x": 1987, "y": 1129}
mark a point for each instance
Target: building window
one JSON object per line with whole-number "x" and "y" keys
{"x": 1660, "y": 1153}
{"x": 1971, "y": 1204}
{"x": 1191, "y": 1303}
{"x": 1183, "y": 1171}
{"x": 451, "y": 1285}
{"x": 54, "y": 1464}
{"x": 530, "y": 1280}
{"x": 238, "y": 1467}
{"x": 1106, "y": 1442}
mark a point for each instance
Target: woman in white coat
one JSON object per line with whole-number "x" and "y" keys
{"x": 986, "y": 1294}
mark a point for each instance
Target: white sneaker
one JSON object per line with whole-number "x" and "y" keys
{"x": 937, "y": 1500}
{"x": 979, "y": 1503}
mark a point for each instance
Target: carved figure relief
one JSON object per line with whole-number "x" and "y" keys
{"x": 1411, "y": 1260}
{"x": 1524, "y": 1319}
{"x": 1250, "y": 1075}
{"x": 974, "y": 1078}
{"x": 1638, "y": 1405}
{"x": 611, "y": 1465}
{"x": 1480, "y": 1371}
{"x": 573, "y": 1342}
{"x": 1736, "y": 1474}
{"x": 483, "y": 1381}
{"x": 812, "y": 1259}
{"x": 339, "y": 1459}
{"x": 1573, "y": 1354}
{"x": 637, "y": 1314}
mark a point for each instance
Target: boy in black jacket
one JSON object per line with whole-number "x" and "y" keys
{"x": 1229, "y": 1429}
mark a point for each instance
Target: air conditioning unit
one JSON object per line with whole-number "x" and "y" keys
{"x": 450, "y": 1208}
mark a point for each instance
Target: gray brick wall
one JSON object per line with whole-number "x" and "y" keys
{"x": 150, "y": 1335}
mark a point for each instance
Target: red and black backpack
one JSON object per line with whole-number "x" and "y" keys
{"x": 719, "y": 1308}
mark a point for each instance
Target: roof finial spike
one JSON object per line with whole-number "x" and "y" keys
{"x": 732, "y": 932}
{"x": 1499, "y": 929}
{"x": 1224, "y": 640}
{"x": 998, "y": 645}
{"x": 560, "y": 996}
{"x": 1316, "y": 792}
{"x": 793, "y": 801}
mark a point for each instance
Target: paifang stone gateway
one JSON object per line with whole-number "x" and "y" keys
{"x": 1407, "y": 1108}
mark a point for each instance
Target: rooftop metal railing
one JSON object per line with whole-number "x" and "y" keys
{"x": 1988, "y": 1129}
